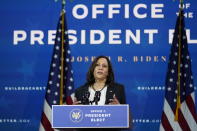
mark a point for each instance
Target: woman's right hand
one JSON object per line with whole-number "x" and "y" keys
{"x": 75, "y": 102}
{"x": 114, "y": 101}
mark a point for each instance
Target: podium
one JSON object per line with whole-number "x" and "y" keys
{"x": 90, "y": 116}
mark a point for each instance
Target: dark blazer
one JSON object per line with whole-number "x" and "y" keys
{"x": 112, "y": 89}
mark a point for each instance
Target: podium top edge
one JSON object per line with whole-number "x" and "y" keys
{"x": 92, "y": 105}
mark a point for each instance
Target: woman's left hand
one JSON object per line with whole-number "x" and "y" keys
{"x": 114, "y": 101}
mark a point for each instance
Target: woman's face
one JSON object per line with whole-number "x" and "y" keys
{"x": 101, "y": 69}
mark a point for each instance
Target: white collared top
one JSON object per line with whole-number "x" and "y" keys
{"x": 102, "y": 97}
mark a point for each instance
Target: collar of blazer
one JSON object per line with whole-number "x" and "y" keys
{"x": 109, "y": 94}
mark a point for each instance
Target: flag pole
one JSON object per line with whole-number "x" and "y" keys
{"x": 62, "y": 53}
{"x": 178, "y": 104}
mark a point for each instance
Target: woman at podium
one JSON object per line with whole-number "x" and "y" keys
{"x": 100, "y": 87}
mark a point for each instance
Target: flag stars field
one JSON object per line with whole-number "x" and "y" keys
{"x": 57, "y": 47}
{"x": 68, "y": 51}
{"x": 52, "y": 73}
{"x": 53, "y": 65}
{"x": 50, "y": 82}
{"x": 169, "y": 89}
{"x": 67, "y": 59}
{"x": 70, "y": 87}
{"x": 185, "y": 75}
{"x": 54, "y": 102}
{"x": 48, "y": 91}
{"x": 55, "y": 56}
{"x": 186, "y": 66}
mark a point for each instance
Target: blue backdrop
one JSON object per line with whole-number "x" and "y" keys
{"x": 133, "y": 33}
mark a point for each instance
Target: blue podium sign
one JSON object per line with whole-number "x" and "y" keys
{"x": 86, "y": 116}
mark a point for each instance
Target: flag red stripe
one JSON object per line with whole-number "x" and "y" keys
{"x": 165, "y": 123}
{"x": 191, "y": 106}
{"x": 69, "y": 100}
{"x": 46, "y": 123}
{"x": 182, "y": 122}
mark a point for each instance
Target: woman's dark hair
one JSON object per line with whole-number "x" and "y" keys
{"x": 90, "y": 73}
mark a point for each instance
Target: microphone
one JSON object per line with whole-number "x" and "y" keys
{"x": 85, "y": 98}
{"x": 111, "y": 96}
{"x": 97, "y": 97}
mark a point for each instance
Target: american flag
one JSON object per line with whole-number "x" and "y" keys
{"x": 179, "y": 64}
{"x": 60, "y": 80}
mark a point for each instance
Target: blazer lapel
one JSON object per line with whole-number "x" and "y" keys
{"x": 109, "y": 94}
